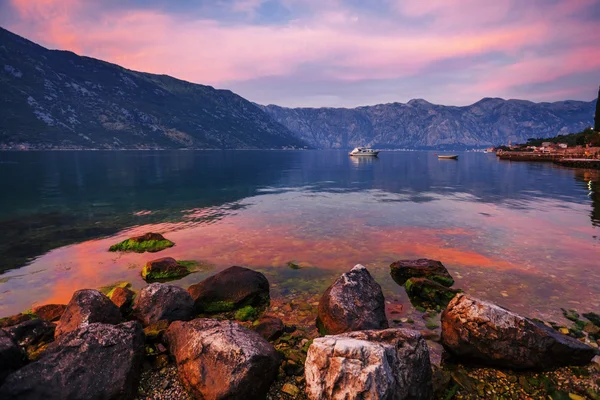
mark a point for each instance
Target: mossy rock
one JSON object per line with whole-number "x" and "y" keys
{"x": 109, "y": 289}
{"x": 593, "y": 318}
{"x": 247, "y": 313}
{"x": 429, "y": 294}
{"x": 167, "y": 269}
{"x": 293, "y": 265}
{"x": 571, "y": 315}
{"x": 150, "y": 242}
{"x": 403, "y": 270}
{"x": 17, "y": 319}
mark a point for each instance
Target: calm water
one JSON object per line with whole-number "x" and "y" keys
{"x": 523, "y": 235}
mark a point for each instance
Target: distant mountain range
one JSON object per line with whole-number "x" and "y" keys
{"x": 57, "y": 99}
{"x": 420, "y": 124}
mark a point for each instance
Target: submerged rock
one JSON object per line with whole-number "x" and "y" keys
{"x": 231, "y": 289}
{"x": 423, "y": 291}
{"x": 160, "y": 301}
{"x": 354, "y": 302}
{"x": 433, "y": 270}
{"x": 269, "y": 327}
{"x": 86, "y": 307}
{"x": 482, "y": 331}
{"x": 11, "y": 356}
{"x": 386, "y": 364}
{"x": 49, "y": 312}
{"x": 123, "y": 298}
{"x": 163, "y": 269}
{"x": 150, "y": 242}
{"x": 221, "y": 359}
{"x": 95, "y": 361}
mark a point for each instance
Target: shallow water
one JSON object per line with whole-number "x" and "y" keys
{"x": 524, "y": 235}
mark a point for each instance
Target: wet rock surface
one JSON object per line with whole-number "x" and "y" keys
{"x": 87, "y": 306}
{"x": 269, "y": 327}
{"x": 49, "y": 312}
{"x": 163, "y": 268}
{"x": 353, "y": 302}
{"x": 482, "y": 331}
{"x": 230, "y": 289}
{"x": 427, "y": 293}
{"x": 96, "y": 361}
{"x": 160, "y": 301}
{"x": 392, "y": 363}
{"x": 221, "y": 359}
{"x": 433, "y": 270}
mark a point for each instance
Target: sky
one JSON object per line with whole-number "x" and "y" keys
{"x": 336, "y": 53}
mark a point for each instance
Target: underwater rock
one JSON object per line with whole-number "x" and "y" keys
{"x": 433, "y": 270}
{"x": 229, "y": 290}
{"x": 269, "y": 327}
{"x": 222, "y": 359}
{"x": 86, "y": 307}
{"x": 150, "y": 242}
{"x": 353, "y": 302}
{"x": 482, "y": 331}
{"x": 50, "y": 312}
{"x": 95, "y": 361}
{"x": 160, "y": 301}
{"x": 163, "y": 268}
{"x": 386, "y": 364}
{"x": 425, "y": 292}
{"x": 123, "y": 298}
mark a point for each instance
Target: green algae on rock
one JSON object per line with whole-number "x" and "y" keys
{"x": 247, "y": 313}
{"x": 424, "y": 292}
{"x": 167, "y": 268}
{"x": 109, "y": 289}
{"x": 433, "y": 270}
{"x": 150, "y": 242}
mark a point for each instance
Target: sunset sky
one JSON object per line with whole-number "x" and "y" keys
{"x": 336, "y": 52}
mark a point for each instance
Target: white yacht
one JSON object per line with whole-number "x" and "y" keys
{"x": 364, "y": 152}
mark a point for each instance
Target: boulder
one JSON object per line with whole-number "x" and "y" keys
{"x": 150, "y": 242}
{"x": 11, "y": 356}
{"x": 231, "y": 289}
{"x": 86, "y": 307}
{"x": 49, "y": 312}
{"x": 386, "y": 364}
{"x": 354, "y": 302}
{"x": 222, "y": 359}
{"x": 433, "y": 270}
{"x": 95, "y": 361}
{"x": 427, "y": 293}
{"x": 159, "y": 301}
{"x": 33, "y": 335}
{"x": 123, "y": 298}
{"x": 15, "y": 320}
{"x": 482, "y": 331}
{"x": 163, "y": 268}
{"x": 269, "y": 327}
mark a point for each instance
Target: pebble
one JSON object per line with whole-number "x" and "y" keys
{"x": 290, "y": 389}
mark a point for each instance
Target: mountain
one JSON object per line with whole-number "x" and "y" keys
{"x": 57, "y": 99}
{"x": 420, "y": 124}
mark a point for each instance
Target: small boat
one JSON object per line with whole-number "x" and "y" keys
{"x": 363, "y": 152}
{"x": 452, "y": 157}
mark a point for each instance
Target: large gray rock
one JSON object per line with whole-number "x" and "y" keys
{"x": 11, "y": 356}
{"x": 482, "y": 331}
{"x": 95, "y": 361}
{"x": 231, "y": 289}
{"x": 87, "y": 306}
{"x": 354, "y": 302}
{"x": 222, "y": 359}
{"x": 160, "y": 301}
{"x": 387, "y": 364}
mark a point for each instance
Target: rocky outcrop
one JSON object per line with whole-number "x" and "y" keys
{"x": 159, "y": 301}
{"x": 123, "y": 298}
{"x": 233, "y": 288}
{"x": 354, "y": 302}
{"x": 269, "y": 327}
{"x": 482, "y": 331}
{"x": 221, "y": 359}
{"x": 163, "y": 268}
{"x": 87, "y": 306}
{"x": 433, "y": 270}
{"x": 430, "y": 294}
{"x": 11, "y": 355}
{"x": 49, "y": 312}
{"x": 95, "y": 361}
{"x": 387, "y": 364}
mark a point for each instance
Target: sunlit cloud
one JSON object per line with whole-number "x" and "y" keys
{"x": 235, "y": 43}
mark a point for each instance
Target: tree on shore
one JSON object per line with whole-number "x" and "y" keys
{"x": 597, "y": 117}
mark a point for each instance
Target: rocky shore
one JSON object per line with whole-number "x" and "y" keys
{"x": 222, "y": 338}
